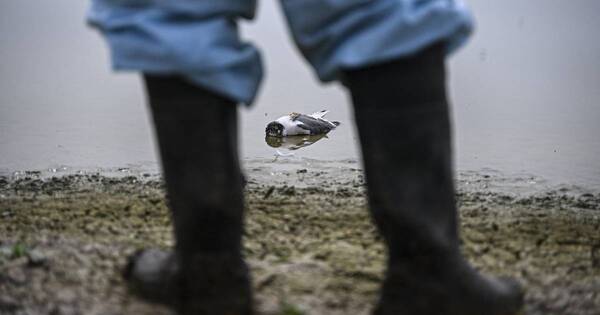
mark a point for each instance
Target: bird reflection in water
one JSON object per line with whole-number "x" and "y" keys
{"x": 292, "y": 143}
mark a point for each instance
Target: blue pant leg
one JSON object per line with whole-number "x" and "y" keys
{"x": 346, "y": 34}
{"x": 198, "y": 39}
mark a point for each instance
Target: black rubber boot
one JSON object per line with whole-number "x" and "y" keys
{"x": 403, "y": 120}
{"x": 197, "y": 137}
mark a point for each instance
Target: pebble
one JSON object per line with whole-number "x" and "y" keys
{"x": 64, "y": 310}
{"x": 8, "y": 305}
{"x": 16, "y": 276}
{"x": 36, "y": 258}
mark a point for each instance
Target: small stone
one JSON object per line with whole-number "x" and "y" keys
{"x": 288, "y": 190}
{"x": 66, "y": 296}
{"x": 595, "y": 256}
{"x": 6, "y": 251}
{"x": 8, "y": 305}
{"x": 16, "y": 276}
{"x": 265, "y": 281}
{"x": 269, "y": 192}
{"x": 64, "y": 310}
{"x": 35, "y": 258}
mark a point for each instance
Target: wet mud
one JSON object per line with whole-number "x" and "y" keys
{"x": 309, "y": 240}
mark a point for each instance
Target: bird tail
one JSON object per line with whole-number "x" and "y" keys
{"x": 336, "y": 123}
{"x": 319, "y": 114}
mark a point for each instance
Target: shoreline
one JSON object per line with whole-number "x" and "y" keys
{"x": 281, "y": 171}
{"x": 309, "y": 240}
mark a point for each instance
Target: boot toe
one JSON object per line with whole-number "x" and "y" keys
{"x": 514, "y": 294}
{"x": 205, "y": 285}
{"x": 150, "y": 274}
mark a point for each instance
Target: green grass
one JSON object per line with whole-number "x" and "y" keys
{"x": 19, "y": 250}
{"x": 290, "y": 309}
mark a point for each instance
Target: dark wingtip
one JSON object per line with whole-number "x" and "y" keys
{"x": 336, "y": 123}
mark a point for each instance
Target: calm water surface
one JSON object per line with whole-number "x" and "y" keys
{"x": 525, "y": 93}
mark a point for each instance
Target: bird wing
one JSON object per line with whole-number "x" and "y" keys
{"x": 313, "y": 124}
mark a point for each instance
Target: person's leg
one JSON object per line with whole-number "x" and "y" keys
{"x": 196, "y": 39}
{"x": 337, "y": 35}
{"x": 402, "y": 117}
{"x": 197, "y": 138}
{"x": 196, "y": 69}
{"x": 390, "y": 54}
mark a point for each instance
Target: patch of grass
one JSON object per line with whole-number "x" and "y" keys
{"x": 8, "y": 253}
{"x": 19, "y": 250}
{"x": 290, "y": 309}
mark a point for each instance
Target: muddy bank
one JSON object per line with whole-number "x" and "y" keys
{"x": 309, "y": 240}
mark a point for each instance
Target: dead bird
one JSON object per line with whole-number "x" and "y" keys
{"x": 300, "y": 124}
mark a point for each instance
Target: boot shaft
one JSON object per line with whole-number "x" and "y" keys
{"x": 197, "y": 137}
{"x": 402, "y": 117}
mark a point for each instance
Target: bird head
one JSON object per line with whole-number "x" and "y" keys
{"x": 274, "y": 129}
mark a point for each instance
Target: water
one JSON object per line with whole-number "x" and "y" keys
{"x": 525, "y": 94}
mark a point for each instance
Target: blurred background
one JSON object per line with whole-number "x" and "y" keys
{"x": 525, "y": 92}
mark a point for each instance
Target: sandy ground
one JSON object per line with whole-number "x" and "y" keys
{"x": 309, "y": 241}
